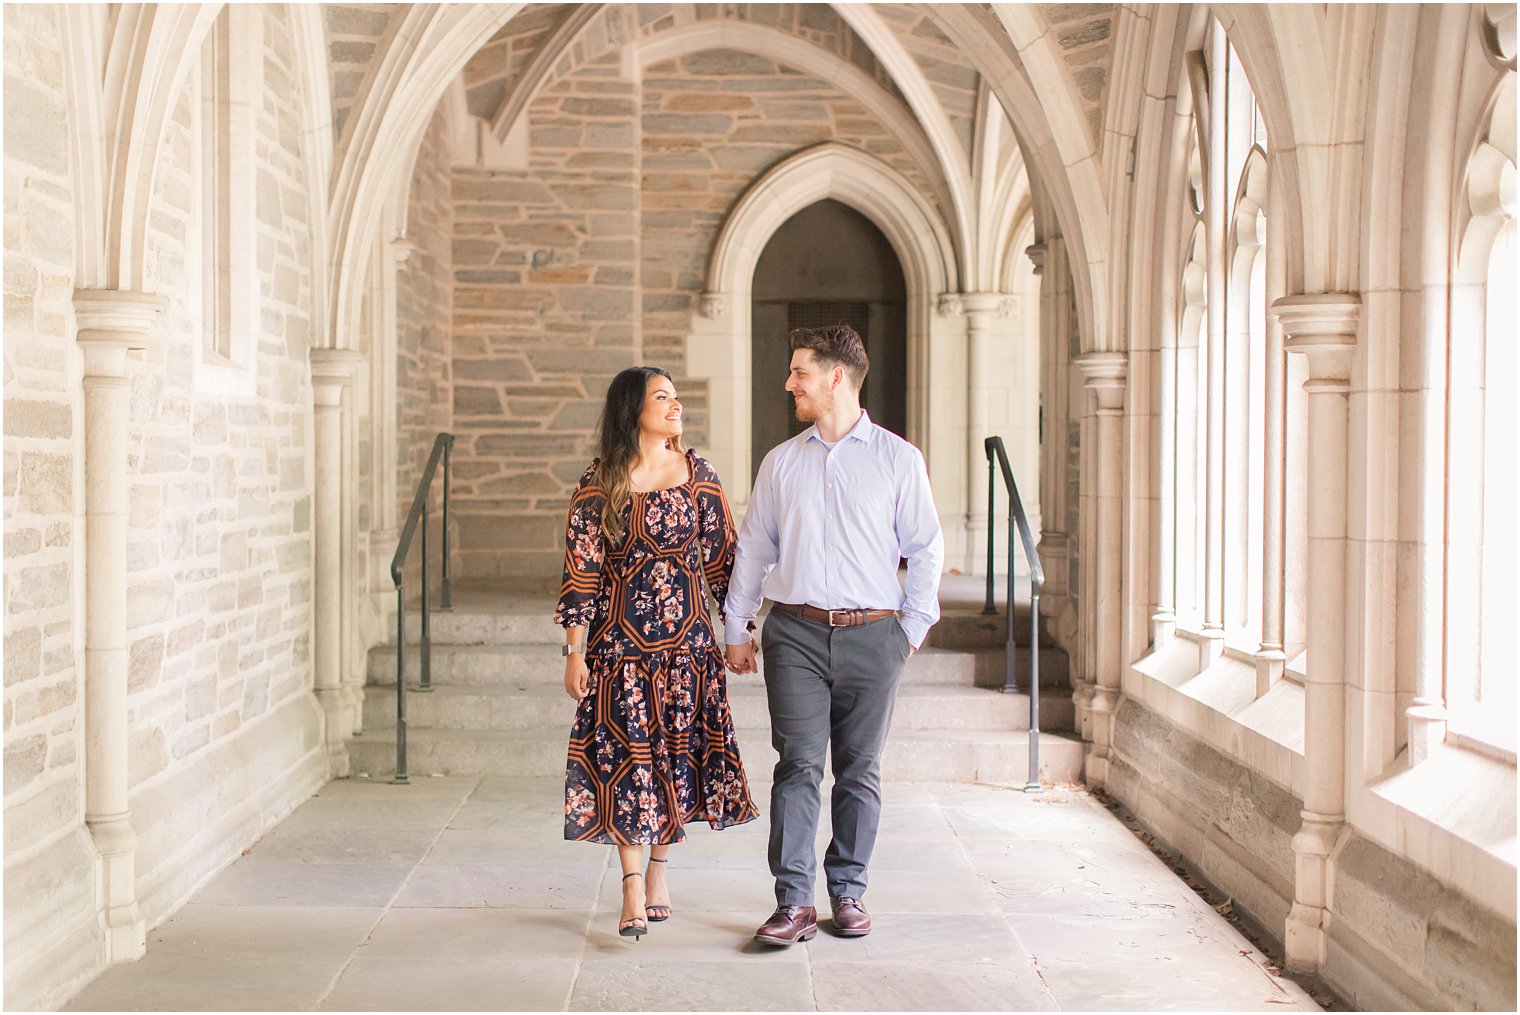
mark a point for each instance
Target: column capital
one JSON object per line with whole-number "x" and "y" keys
{"x": 332, "y": 370}
{"x": 111, "y": 322}
{"x": 402, "y": 248}
{"x": 1321, "y": 326}
{"x": 713, "y": 305}
{"x": 1036, "y": 253}
{"x": 335, "y": 366}
{"x": 981, "y": 304}
{"x": 1105, "y": 374}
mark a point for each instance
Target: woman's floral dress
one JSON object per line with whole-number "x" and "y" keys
{"x": 653, "y": 742}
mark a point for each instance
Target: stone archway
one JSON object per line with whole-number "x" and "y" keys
{"x": 827, "y": 264}
{"x": 719, "y": 342}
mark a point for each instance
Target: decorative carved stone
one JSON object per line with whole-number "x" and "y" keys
{"x": 402, "y": 248}
{"x": 714, "y": 305}
{"x": 1036, "y": 254}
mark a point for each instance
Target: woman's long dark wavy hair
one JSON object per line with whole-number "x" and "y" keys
{"x": 617, "y": 435}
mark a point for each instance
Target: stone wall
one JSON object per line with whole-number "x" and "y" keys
{"x": 354, "y": 32}
{"x": 545, "y": 313}
{"x": 953, "y": 81}
{"x": 50, "y": 932}
{"x": 593, "y": 258}
{"x": 219, "y": 535}
{"x": 224, "y": 735}
{"x": 1400, "y": 938}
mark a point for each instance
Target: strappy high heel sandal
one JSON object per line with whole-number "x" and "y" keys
{"x": 633, "y": 926}
{"x": 656, "y": 914}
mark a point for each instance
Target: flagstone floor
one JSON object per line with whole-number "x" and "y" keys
{"x": 460, "y": 894}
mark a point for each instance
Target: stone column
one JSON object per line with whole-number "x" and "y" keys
{"x": 1322, "y": 328}
{"x": 1216, "y": 225}
{"x": 980, "y": 310}
{"x": 1049, "y": 259}
{"x": 1271, "y": 657}
{"x": 1103, "y": 375}
{"x": 332, "y": 373}
{"x": 110, "y": 323}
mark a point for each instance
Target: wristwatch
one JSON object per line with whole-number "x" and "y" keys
{"x": 565, "y": 650}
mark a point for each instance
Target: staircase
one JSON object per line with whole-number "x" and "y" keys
{"x": 498, "y": 705}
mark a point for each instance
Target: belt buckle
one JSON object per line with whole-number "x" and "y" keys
{"x": 844, "y": 623}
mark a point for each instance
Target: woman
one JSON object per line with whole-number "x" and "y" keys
{"x": 653, "y": 742}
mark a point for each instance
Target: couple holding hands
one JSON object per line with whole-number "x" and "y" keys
{"x": 832, "y": 512}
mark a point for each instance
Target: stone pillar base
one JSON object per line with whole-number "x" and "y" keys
{"x": 334, "y": 704}
{"x": 1269, "y": 669}
{"x": 125, "y": 929}
{"x": 1304, "y": 938}
{"x": 1105, "y": 703}
{"x": 1210, "y": 648}
{"x": 1315, "y": 844}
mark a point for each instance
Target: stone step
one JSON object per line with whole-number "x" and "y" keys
{"x": 530, "y": 665}
{"x": 543, "y": 707}
{"x": 967, "y": 628}
{"x": 999, "y": 758}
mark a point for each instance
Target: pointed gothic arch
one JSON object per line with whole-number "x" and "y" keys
{"x": 719, "y": 342}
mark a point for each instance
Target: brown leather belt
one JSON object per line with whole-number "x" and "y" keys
{"x": 834, "y": 618}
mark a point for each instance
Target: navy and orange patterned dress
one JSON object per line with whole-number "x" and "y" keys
{"x": 653, "y": 744}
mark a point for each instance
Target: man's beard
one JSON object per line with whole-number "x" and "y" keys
{"x": 814, "y": 409}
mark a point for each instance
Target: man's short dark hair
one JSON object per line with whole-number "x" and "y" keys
{"x": 835, "y": 344}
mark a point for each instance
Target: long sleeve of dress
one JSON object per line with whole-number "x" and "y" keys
{"x": 581, "y": 586}
{"x": 717, "y": 533}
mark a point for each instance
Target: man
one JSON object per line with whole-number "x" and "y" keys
{"x": 832, "y": 512}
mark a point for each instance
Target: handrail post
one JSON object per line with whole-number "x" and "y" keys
{"x": 417, "y": 518}
{"x": 1018, "y": 531}
{"x": 989, "y": 609}
{"x": 1010, "y": 676}
{"x": 426, "y": 647}
{"x": 1033, "y": 783}
{"x": 445, "y": 596}
{"x": 401, "y": 779}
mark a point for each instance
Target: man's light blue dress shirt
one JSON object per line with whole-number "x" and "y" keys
{"x": 827, "y": 526}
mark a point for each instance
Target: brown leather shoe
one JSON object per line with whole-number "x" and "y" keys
{"x": 850, "y": 917}
{"x": 788, "y": 925}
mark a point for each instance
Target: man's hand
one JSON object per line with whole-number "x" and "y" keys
{"x": 741, "y": 658}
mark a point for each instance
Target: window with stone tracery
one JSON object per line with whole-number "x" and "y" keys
{"x": 1483, "y": 437}
{"x": 1228, "y": 543}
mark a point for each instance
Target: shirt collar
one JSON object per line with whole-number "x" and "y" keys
{"x": 863, "y": 430}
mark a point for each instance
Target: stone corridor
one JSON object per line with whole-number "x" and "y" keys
{"x": 459, "y": 894}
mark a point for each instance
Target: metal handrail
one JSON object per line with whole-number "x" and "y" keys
{"x": 1018, "y": 525}
{"x": 443, "y": 447}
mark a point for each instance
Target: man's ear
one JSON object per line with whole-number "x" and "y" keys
{"x": 837, "y": 377}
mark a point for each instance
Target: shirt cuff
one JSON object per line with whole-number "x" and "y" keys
{"x": 915, "y": 629}
{"x": 736, "y": 629}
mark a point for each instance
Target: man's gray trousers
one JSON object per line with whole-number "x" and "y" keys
{"x": 828, "y": 686}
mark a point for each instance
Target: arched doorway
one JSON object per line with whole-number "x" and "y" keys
{"x": 827, "y": 264}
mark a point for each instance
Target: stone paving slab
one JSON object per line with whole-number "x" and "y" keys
{"x": 460, "y": 894}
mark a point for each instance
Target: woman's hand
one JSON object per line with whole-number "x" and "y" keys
{"x": 577, "y": 677}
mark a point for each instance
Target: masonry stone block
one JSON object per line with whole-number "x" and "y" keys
{"x": 25, "y": 759}
{"x": 46, "y": 484}
{"x": 40, "y": 587}
{"x": 146, "y": 660}
{"x": 33, "y": 418}
{"x": 22, "y": 543}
